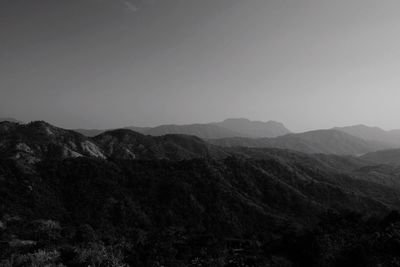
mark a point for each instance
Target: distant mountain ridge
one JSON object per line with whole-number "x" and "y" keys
{"x": 312, "y": 142}
{"x": 234, "y": 132}
{"x": 38, "y": 140}
{"x": 254, "y": 128}
{"x": 391, "y": 138}
{"x": 228, "y": 128}
{"x": 200, "y": 130}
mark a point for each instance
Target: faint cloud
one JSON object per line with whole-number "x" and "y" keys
{"x": 130, "y": 6}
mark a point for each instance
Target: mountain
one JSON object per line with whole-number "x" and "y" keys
{"x": 225, "y": 129}
{"x": 390, "y": 156}
{"x": 319, "y": 141}
{"x": 175, "y": 200}
{"x": 95, "y": 132}
{"x": 376, "y": 134}
{"x": 200, "y": 130}
{"x": 39, "y": 140}
{"x": 254, "y": 128}
{"x": 127, "y": 144}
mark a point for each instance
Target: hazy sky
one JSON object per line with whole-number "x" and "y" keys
{"x": 110, "y": 63}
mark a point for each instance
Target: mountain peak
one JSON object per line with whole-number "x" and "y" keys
{"x": 256, "y": 129}
{"x": 236, "y": 120}
{"x": 246, "y": 120}
{"x": 361, "y": 127}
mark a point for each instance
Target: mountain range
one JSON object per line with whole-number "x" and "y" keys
{"x": 177, "y": 200}
{"x": 318, "y": 141}
{"x": 228, "y": 128}
{"x": 39, "y": 140}
{"x": 376, "y": 134}
{"x": 351, "y": 140}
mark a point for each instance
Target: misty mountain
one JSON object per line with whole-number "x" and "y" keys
{"x": 376, "y": 134}
{"x": 200, "y": 130}
{"x": 319, "y": 141}
{"x": 38, "y": 140}
{"x": 225, "y": 129}
{"x": 254, "y": 128}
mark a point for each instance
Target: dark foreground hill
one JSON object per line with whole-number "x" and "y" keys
{"x": 272, "y": 208}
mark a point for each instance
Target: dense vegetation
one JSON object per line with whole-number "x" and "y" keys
{"x": 201, "y": 212}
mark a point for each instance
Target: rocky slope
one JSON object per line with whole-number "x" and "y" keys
{"x": 39, "y": 140}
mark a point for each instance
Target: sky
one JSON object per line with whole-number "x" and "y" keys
{"x": 309, "y": 64}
